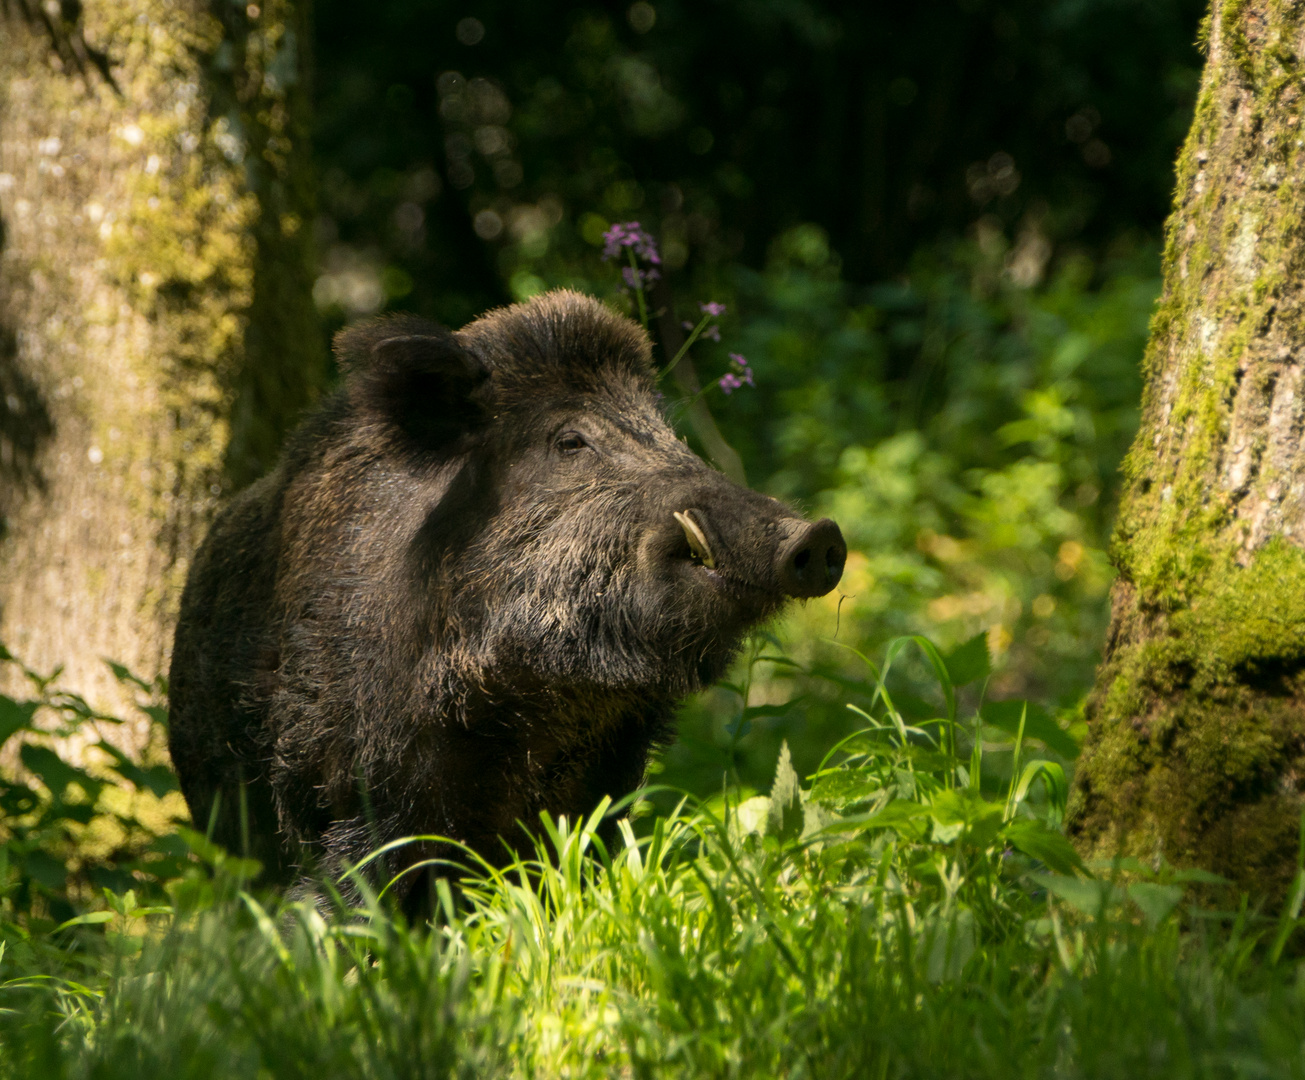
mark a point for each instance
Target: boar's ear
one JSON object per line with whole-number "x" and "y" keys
{"x": 416, "y": 376}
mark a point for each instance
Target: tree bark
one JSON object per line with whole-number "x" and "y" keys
{"x": 156, "y": 329}
{"x": 1196, "y": 745}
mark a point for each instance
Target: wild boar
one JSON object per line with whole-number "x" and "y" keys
{"x": 475, "y": 587}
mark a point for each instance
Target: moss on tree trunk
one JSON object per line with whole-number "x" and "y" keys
{"x": 1196, "y": 746}
{"x": 156, "y": 329}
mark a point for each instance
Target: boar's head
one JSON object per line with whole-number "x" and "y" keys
{"x": 582, "y": 543}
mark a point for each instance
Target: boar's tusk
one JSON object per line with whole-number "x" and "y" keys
{"x": 697, "y": 539}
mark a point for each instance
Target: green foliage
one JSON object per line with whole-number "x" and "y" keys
{"x": 78, "y": 817}
{"x": 718, "y": 944}
{"x": 744, "y": 936}
{"x": 976, "y": 498}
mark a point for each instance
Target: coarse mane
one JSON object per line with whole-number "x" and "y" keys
{"x": 561, "y": 341}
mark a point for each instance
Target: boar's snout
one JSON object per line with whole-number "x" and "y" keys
{"x": 756, "y": 541}
{"x": 809, "y": 561}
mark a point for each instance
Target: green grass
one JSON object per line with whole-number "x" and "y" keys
{"x": 901, "y": 914}
{"x": 685, "y": 954}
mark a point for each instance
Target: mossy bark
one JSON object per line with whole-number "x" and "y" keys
{"x": 156, "y": 329}
{"x": 1196, "y": 745}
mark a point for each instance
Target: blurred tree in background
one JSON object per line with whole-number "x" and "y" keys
{"x": 466, "y": 150}
{"x": 936, "y": 228}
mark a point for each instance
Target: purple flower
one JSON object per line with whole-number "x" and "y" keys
{"x": 630, "y": 234}
{"x": 712, "y": 308}
{"x": 614, "y": 240}
{"x": 712, "y": 332}
{"x": 638, "y": 279}
{"x": 687, "y": 325}
{"x": 740, "y": 376}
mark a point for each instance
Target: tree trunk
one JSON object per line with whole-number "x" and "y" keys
{"x": 156, "y": 328}
{"x": 1196, "y": 745}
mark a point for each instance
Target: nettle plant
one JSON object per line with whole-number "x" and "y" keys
{"x": 79, "y": 817}
{"x": 630, "y": 243}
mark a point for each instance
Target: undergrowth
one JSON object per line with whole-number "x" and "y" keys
{"x": 909, "y": 910}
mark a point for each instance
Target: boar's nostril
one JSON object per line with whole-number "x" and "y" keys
{"x": 810, "y": 561}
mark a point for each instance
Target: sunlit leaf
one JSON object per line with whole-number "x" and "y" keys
{"x": 844, "y": 786}
{"x": 1057, "y": 787}
{"x": 91, "y": 918}
{"x": 786, "y": 817}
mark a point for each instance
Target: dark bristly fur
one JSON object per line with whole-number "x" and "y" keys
{"x": 461, "y": 597}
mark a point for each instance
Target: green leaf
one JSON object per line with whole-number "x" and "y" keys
{"x": 1088, "y": 896}
{"x": 964, "y": 805}
{"x": 738, "y": 728}
{"x": 1048, "y": 846}
{"x": 750, "y": 816}
{"x": 786, "y": 817}
{"x": 970, "y": 661}
{"x": 1053, "y": 778}
{"x": 55, "y": 773}
{"x": 124, "y": 675}
{"x": 91, "y": 918}
{"x": 161, "y": 780}
{"x": 897, "y": 813}
{"x": 952, "y": 945}
{"x": 963, "y": 810}
{"x": 158, "y": 778}
{"x": 759, "y": 712}
{"x": 1038, "y": 724}
{"x": 844, "y": 786}
{"x": 782, "y": 661}
{"x": 157, "y": 713}
{"x": 1155, "y": 901}
{"x": 925, "y": 760}
{"x": 935, "y": 659}
{"x": 15, "y": 717}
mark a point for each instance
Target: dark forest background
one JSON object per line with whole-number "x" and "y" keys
{"x": 936, "y": 228}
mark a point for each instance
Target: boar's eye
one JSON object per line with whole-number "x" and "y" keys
{"x": 571, "y": 442}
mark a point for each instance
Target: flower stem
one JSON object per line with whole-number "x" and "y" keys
{"x": 638, "y": 288}
{"x": 693, "y": 336}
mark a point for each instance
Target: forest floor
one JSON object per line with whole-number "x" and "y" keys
{"x": 912, "y": 909}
